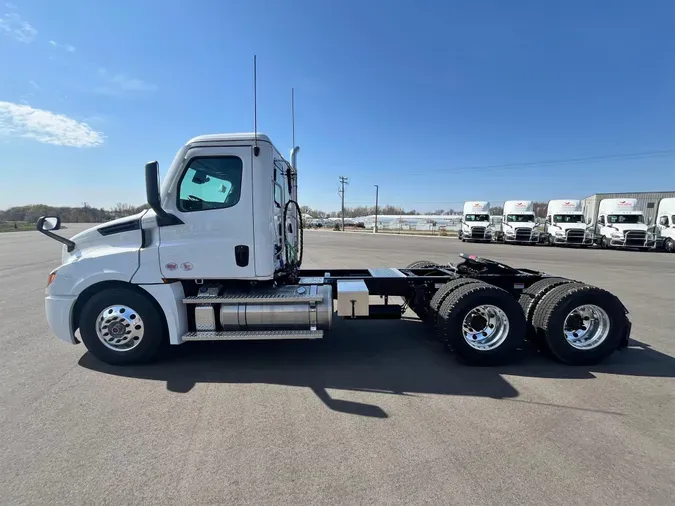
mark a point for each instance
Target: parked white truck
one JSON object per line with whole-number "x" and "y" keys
{"x": 665, "y": 224}
{"x": 566, "y": 225}
{"x": 476, "y": 224}
{"x": 518, "y": 223}
{"x": 218, "y": 257}
{"x": 620, "y": 224}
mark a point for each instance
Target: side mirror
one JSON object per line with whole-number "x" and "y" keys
{"x": 152, "y": 196}
{"x": 49, "y": 223}
{"x": 45, "y": 225}
{"x": 152, "y": 186}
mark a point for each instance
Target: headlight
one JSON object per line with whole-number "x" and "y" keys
{"x": 617, "y": 235}
{"x": 508, "y": 231}
{"x": 559, "y": 233}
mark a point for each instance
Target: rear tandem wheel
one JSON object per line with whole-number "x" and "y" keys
{"x": 482, "y": 323}
{"x": 580, "y": 324}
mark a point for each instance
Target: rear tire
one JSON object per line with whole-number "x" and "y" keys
{"x": 580, "y": 324}
{"x": 142, "y": 327}
{"x": 421, "y": 310}
{"x": 533, "y": 295}
{"x": 442, "y": 294}
{"x": 483, "y": 324}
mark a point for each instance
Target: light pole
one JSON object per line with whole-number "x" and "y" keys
{"x": 377, "y": 191}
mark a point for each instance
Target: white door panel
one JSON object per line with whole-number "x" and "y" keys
{"x": 214, "y": 199}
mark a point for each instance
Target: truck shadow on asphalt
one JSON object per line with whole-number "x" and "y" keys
{"x": 387, "y": 357}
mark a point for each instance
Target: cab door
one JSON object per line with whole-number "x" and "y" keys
{"x": 213, "y": 197}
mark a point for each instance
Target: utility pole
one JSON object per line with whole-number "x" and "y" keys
{"x": 343, "y": 181}
{"x": 377, "y": 191}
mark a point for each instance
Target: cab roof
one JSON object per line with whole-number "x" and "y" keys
{"x": 250, "y": 136}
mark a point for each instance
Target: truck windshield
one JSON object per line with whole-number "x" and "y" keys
{"x": 568, "y": 218}
{"x": 519, "y": 218}
{"x": 625, "y": 218}
{"x": 476, "y": 217}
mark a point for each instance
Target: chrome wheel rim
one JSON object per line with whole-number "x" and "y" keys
{"x": 485, "y": 327}
{"x": 586, "y": 327}
{"x": 120, "y": 328}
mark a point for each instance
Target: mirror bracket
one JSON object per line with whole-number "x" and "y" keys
{"x": 70, "y": 245}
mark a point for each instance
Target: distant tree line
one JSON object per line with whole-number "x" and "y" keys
{"x": 89, "y": 214}
{"x": 355, "y": 212}
{"x": 82, "y": 214}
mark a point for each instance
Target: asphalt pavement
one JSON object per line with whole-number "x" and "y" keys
{"x": 375, "y": 413}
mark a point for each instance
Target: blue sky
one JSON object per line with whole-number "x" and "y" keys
{"x": 407, "y": 95}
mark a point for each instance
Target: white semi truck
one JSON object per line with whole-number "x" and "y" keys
{"x": 476, "y": 224}
{"x": 218, "y": 257}
{"x": 566, "y": 225}
{"x": 518, "y": 223}
{"x": 665, "y": 224}
{"x": 620, "y": 224}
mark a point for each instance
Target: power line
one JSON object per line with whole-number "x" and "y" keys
{"x": 588, "y": 159}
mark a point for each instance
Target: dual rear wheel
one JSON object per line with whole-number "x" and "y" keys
{"x": 576, "y": 323}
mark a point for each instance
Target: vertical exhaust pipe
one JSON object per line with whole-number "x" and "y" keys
{"x": 294, "y": 156}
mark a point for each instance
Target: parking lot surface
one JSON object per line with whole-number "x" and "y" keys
{"x": 375, "y": 413}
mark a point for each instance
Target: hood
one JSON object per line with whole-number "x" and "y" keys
{"x": 570, "y": 226}
{"x": 525, "y": 224}
{"x": 472, "y": 224}
{"x": 624, "y": 227}
{"x": 115, "y": 233}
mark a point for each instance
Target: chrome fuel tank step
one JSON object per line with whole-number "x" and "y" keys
{"x": 251, "y": 335}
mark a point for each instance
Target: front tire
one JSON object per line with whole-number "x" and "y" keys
{"x": 121, "y": 326}
{"x": 669, "y": 245}
{"x": 483, "y": 324}
{"x": 580, "y": 324}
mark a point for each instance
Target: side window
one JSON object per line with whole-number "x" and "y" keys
{"x": 601, "y": 220}
{"x": 663, "y": 221}
{"x": 210, "y": 183}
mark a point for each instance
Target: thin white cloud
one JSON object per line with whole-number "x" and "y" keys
{"x": 11, "y": 6}
{"x": 35, "y": 85}
{"x": 13, "y": 26}
{"x": 17, "y": 120}
{"x": 66, "y": 47}
{"x": 116, "y": 84}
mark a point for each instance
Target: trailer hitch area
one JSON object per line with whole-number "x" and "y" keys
{"x": 480, "y": 264}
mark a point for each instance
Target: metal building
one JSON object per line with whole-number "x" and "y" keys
{"x": 648, "y": 202}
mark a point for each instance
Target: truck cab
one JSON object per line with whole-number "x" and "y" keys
{"x": 518, "y": 223}
{"x": 476, "y": 224}
{"x": 565, "y": 224}
{"x": 621, "y": 225}
{"x": 665, "y": 224}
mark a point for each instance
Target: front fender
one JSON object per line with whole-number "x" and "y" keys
{"x": 94, "y": 266}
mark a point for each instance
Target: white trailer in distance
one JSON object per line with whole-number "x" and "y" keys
{"x": 665, "y": 224}
{"x": 566, "y": 225}
{"x": 518, "y": 223}
{"x": 620, "y": 224}
{"x": 218, "y": 257}
{"x": 476, "y": 224}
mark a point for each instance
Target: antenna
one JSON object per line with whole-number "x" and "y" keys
{"x": 293, "y": 114}
{"x": 256, "y": 149}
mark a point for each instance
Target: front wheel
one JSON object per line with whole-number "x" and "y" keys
{"x": 669, "y": 245}
{"x": 121, "y": 326}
